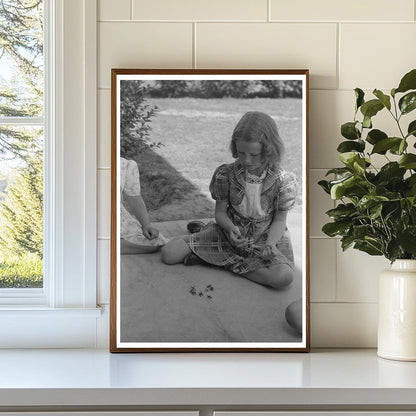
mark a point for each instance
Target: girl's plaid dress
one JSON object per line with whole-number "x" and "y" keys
{"x": 229, "y": 183}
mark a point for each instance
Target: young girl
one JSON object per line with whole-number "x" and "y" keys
{"x": 136, "y": 234}
{"x": 252, "y": 196}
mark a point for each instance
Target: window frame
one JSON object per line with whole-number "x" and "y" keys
{"x": 70, "y": 167}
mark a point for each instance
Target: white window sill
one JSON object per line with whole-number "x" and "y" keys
{"x": 331, "y": 379}
{"x": 40, "y": 327}
{"x": 34, "y": 311}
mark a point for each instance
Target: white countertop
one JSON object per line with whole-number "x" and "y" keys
{"x": 96, "y": 377}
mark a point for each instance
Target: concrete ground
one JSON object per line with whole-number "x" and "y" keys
{"x": 161, "y": 303}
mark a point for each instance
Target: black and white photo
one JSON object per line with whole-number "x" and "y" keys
{"x": 209, "y": 233}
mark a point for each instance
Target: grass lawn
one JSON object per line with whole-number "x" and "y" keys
{"x": 196, "y": 134}
{"x": 24, "y": 271}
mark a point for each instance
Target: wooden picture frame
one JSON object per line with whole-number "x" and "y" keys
{"x": 175, "y": 127}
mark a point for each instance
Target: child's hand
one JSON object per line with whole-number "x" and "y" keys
{"x": 150, "y": 233}
{"x": 269, "y": 252}
{"x": 236, "y": 238}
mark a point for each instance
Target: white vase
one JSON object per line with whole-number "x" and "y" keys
{"x": 397, "y": 312}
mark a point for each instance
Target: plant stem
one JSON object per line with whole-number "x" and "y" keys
{"x": 397, "y": 118}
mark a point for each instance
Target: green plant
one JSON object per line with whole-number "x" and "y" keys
{"x": 376, "y": 212}
{"x": 135, "y": 119}
{"x": 21, "y": 211}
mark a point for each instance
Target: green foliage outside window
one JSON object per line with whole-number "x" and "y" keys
{"x": 21, "y": 148}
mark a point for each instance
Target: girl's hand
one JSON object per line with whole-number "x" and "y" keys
{"x": 269, "y": 252}
{"x": 236, "y": 238}
{"x": 150, "y": 233}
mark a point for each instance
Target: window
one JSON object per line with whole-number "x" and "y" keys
{"x": 63, "y": 313}
{"x": 22, "y": 132}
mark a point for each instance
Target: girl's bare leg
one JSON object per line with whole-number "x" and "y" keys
{"x": 176, "y": 250}
{"x": 129, "y": 248}
{"x": 276, "y": 276}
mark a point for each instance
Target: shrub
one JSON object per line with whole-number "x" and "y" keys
{"x": 135, "y": 118}
{"x": 21, "y": 212}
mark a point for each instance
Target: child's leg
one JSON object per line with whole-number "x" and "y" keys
{"x": 176, "y": 250}
{"x": 276, "y": 276}
{"x": 130, "y": 248}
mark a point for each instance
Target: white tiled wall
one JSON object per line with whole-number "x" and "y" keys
{"x": 345, "y": 44}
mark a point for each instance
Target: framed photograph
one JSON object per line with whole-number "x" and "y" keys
{"x": 209, "y": 211}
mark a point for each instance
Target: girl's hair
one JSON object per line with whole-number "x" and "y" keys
{"x": 256, "y": 126}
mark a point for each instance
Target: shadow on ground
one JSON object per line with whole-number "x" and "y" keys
{"x": 167, "y": 193}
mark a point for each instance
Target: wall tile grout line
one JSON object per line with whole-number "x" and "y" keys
{"x": 269, "y": 11}
{"x": 311, "y": 22}
{"x": 195, "y": 21}
{"x": 194, "y": 29}
{"x": 338, "y": 56}
{"x": 343, "y": 303}
{"x": 335, "y": 248}
{"x": 323, "y": 237}
{"x": 131, "y": 9}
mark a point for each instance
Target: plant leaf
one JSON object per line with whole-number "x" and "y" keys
{"x": 398, "y": 149}
{"x": 349, "y": 146}
{"x": 368, "y": 248}
{"x": 349, "y": 131}
{"x": 411, "y": 130}
{"x": 391, "y": 170}
{"x": 403, "y": 146}
{"x": 371, "y": 108}
{"x": 325, "y": 186}
{"x": 359, "y": 165}
{"x": 348, "y": 158}
{"x": 375, "y": 136}
{"x": 408, "y": 161}
{"x": 333, "y": 229}
{"x": 375, "y": 211}
{"x": 342, "y": 211}
{"x": 393, "y": 250}
{"x": 385, "y": 144}
{"x": 359, "y": 94}
{"x": 408, "y": 82}
{"x": 385, "y": 99}
{"x": 338, "y": 188}
{"x": 367, "y": 122}
{"x": 346, "y": 242}
{"x": 369, "y": 201}
{"x": 350, "y": 187}
{"x": 354, "y": 161}
{"x": 338, "y": 171}
{"x": 407, "y": 239}
{"x": 408, "y": 102}
{"x": 411, "y": 182}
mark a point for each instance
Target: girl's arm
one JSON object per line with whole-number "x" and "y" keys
{"x": 276, "y": 231}
{"x": 138, "y": 209}
{"x": 221, "y": 216}
{"x": 224, "y": 221}
{"x": 277, "y": 227}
